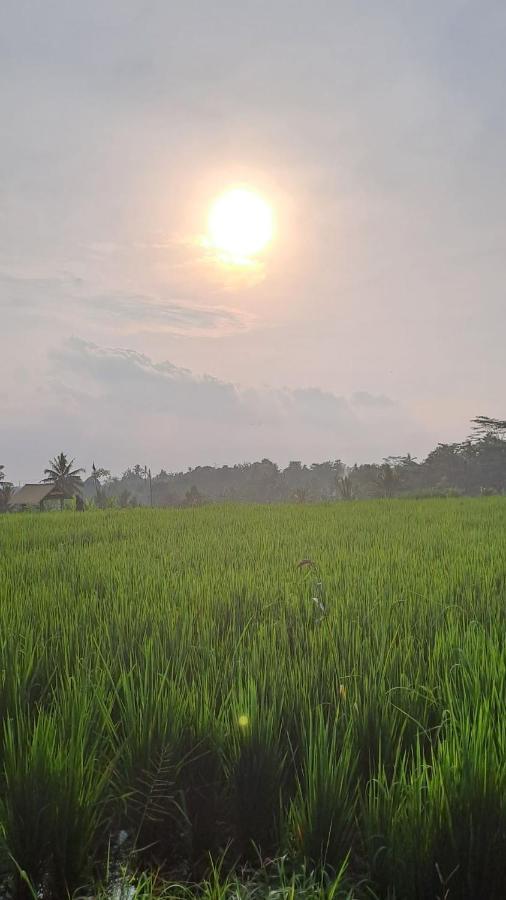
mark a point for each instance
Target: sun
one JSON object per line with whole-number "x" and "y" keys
{"x": 240, "y": 225}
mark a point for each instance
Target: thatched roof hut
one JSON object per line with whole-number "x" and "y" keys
{"x": 37, "y": 494}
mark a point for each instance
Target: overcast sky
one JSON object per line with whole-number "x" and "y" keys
{"x": 376, "y": 323}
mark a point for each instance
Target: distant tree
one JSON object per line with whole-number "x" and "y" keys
{"x": 6, "y": 492}
{"x": 363, "y": 478}
{"x": 136, "y": 480}
{"x": 483, "y": 425}
{"x": 401, "y": 462}
{"x": 322, "y": 479}
{"x": 125, "y": 499}
{"x": 193, "y": 497}
{"x": 97, "y": 475}
{"x": 63, "y": 476}
{"x": 260, "y": 482}
{"x": 485, "y": 460}
{"x": 406, "y": 472}
{"x": 472, "y": 467}
{"x": 162, "y": 493}
{"x": 387, "y": 480}
{"x": 345, "y": 489}
{"x": 293, "y": 473}
{"x": 445, "y": 468}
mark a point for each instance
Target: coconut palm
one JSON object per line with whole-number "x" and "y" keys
{"x": 63, "y": 476}
{"x": 97, "y": 474}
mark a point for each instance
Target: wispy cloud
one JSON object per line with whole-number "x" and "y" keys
{"x": 146, "y": 313}
{"x": 64, "y": 295}
{"x": 370, "y": 401}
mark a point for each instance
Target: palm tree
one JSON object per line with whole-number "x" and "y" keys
{"x": 63, "y": 476}
{"x": 97, "y": 473}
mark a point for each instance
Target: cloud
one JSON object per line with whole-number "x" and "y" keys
{"x": 136, "y": 401}
{"x": 126, "y": 376}
{"x": 371, "y": 401}
{"x": 27, "y": 292}
{"x": 119, "y": 406}
{"x": 65, "y": 295}
{"x": 145, "y": 313}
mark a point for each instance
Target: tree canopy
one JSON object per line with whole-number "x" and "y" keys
{"x": 476, "y": 466}
{"x": 62, "y": 475}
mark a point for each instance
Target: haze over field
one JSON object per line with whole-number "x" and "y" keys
{"x": 371, "y": 323}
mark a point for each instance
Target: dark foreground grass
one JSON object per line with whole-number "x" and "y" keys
{"x": 179, "y": 698}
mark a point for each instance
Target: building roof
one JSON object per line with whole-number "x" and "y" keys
{"x": 33, "y": 494}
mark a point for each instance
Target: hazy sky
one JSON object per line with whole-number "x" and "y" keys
{"x": 377, "y": 322}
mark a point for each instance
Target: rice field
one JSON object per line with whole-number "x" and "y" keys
{"x": 234, "y": 701}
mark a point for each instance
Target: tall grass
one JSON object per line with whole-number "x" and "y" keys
{"x": 173, "y": 700}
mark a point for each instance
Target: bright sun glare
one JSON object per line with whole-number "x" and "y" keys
{"x": 240, "y": 225}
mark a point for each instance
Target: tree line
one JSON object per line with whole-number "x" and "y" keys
{"x": 476, "y": 466}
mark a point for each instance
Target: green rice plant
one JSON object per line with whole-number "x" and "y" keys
{"x": 169, "y": 688}
{"x": 396, "y": 829}
{"x": 255, "y": 770}
{"x": 147, "y": 729}
{"x": 439, "y": 829}
{"x": 202, "y": 781}
{"x": 323, "y": 813}
{"x": 156, "y": 812}
{"x": 272, "y": 881}
{"x": 52, "y": 802}
{"x": 468, "y": 794}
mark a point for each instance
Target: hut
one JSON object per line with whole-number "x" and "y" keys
{"x": 37, "y": 495}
